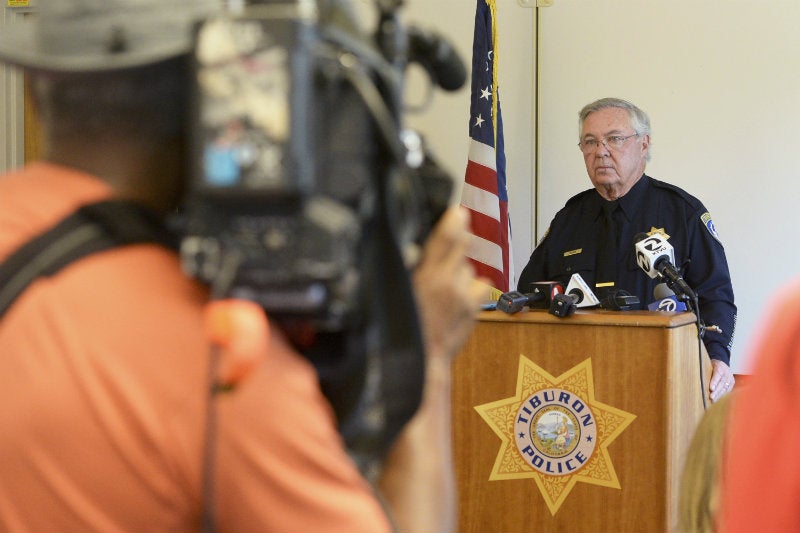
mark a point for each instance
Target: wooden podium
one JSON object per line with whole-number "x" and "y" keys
{"x": 644, "y": 364}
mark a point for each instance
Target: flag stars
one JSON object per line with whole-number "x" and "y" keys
{"x": 486, "y": 93}
{"x": 479, "y": 121}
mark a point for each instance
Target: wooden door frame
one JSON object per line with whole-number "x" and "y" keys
{"x": 19, "y": 129}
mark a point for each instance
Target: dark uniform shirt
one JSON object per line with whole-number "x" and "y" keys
{"x": 572, "y": 244}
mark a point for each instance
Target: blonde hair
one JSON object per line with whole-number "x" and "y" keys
{"x": 699, "y": 487}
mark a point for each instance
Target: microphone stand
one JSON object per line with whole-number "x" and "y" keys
{"x": 693, "y": 306}
{"x": 691, "y": 303}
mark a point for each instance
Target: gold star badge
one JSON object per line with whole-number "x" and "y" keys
{"x": 554, "y": 431}
{"x": 654, "y": 230}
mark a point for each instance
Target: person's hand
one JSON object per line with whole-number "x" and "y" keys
{"x": 418, "y": 478}
{"x": 722, "y": 380}
{"x": 448, "y": 295}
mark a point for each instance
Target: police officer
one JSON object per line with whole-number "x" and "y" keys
{"x": 593, "y": 234}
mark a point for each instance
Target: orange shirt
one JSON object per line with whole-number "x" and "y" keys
{"x": 104, "y": 374}
{"x": 760, "y": 481}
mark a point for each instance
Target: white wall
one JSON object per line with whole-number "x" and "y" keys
{"x": 11, "y": 102}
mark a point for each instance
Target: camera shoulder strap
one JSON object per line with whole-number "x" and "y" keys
{"x": 92, "y": 228}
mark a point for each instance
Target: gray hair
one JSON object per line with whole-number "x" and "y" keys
{"x": 640, "y": 122}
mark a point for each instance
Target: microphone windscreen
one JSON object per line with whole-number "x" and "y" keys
{"x": 619, "y": 300}
{"x": 662, "y": 291}
{"x": 512, "y": 302}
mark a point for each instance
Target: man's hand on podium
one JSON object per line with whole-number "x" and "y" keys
{"x": 722, "y": 380}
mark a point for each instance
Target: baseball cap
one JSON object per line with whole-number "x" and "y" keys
{"x": 100, "y": 35}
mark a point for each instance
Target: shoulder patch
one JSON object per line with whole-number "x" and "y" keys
{"x": 705, "y": 218}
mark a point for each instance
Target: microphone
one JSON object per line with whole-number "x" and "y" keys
{"x": 438, "y": 57}
{"x": 665, "y": 300}
{"x": 578, "y": 295}
{"x": 656, "y": 257}
{"x": 662, "y": 291}
{"x": 564, "y": 304}
{"x": 515, "y": 301}
{"x": 578, "y": 287}
{"x": 545, "y": 291}
{"x": 542, "y": 293}
{"x": 619, "y": 300}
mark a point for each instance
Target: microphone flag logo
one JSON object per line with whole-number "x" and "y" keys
{"x": 667, "y": 304}
{"x": 649, "y": 250}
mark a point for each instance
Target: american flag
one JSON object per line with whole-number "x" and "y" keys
{"x": 484, "y": 192}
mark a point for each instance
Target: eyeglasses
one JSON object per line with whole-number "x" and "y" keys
{"x": 612, "y": 142}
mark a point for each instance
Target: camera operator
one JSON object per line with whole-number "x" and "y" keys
{"x": 106, "y": 365}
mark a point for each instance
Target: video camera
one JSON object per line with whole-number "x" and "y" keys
{"x": 307, "y": 194}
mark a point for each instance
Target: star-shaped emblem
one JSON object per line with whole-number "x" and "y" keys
{"x": 554, "y": 431}
{"x": 654, "y": 230}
